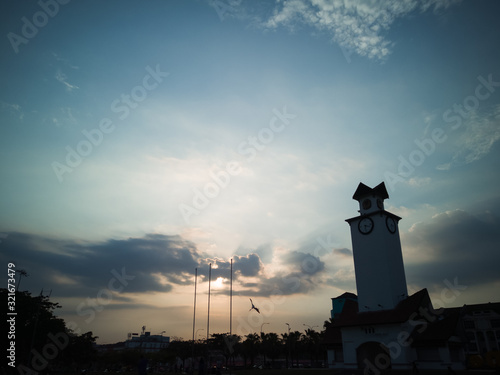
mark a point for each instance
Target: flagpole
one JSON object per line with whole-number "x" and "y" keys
{"x": 194, "y": 317}
{"x": 231, "y": 314}
{"x": 231, "y": 301}
{"x": 208, "y": 313}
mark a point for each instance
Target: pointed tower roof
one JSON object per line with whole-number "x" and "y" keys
{"x": 363, "y": 191}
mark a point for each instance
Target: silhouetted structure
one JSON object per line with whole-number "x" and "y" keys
{"x": 146, "y": 342}
{"x": 382, "y": 327}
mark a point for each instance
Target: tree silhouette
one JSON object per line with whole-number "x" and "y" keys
{"x": 42, "y": 340}
{"x": 272, "y": 346}
{"x": 312, "y": 344}
{"x": 34, "y": 321}
{"x": 327, "y": 323}
{"x": 295, "y": 341}
{"x": 250, "y": 348}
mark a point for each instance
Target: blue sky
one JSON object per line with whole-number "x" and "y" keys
{"x": 158, "y": 137}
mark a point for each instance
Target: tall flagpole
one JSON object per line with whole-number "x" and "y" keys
{"x": 231, "y": 314}
{"x": 208, "y": 313}
{"x": 231, "y": 301}
{"x": 194, "y": 316}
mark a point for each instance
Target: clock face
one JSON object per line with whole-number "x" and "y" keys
{"x": 391, "y": 224}
{"x": 365, "y": 225}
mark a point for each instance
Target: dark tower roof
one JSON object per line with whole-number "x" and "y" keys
{"x": 363, "y": 191}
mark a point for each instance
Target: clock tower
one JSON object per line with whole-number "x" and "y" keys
{"x": 376, "y": 247}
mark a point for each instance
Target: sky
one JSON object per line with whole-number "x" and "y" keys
{"x": 140, "y": 141}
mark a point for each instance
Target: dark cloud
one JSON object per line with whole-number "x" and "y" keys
{"x": 305, "y": 263}
{"x": 454, "y": 244}
{"x": 245, "y": 265}
{"x": 305, "y": 275}
{"x": 281, "y": 284}
{"x": 152, "y": 263}
{"x": 75, "y": 269}
{"x": 343, "y": 252}
{"x": 249, "y": 265}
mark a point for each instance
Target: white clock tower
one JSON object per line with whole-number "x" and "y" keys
{"x": 378, "y": 259}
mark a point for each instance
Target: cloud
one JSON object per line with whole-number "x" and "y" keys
{"x": 13, "y": 109}
{"x": 249, "y": 265}
{"x": 343, "y": 252}
{"x": 66, "y": 62}
{"x": 419, "y": 181}
{"x": 305, "y": 263}
{"x": 280, "y": 284}
{"x": 453, "y": 244}
{"x": 355, "y": 25}
{"x": 63, "y": 78}
{"x": 476, "y": 141}
{"x": 148, "y": 264}
{"x": 77, "y": 269}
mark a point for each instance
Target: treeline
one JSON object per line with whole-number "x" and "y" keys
{"x": 39, "y": 342}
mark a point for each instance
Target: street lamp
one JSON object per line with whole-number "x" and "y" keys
{"x": 289, "y": 348}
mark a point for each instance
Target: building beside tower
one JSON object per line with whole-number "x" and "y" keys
{"x": 382, "y": 328}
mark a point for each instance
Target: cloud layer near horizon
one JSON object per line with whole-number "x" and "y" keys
{"x": 452, "y": 244}
{"x": 153, "y": 263}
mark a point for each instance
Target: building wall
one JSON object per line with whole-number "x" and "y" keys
{"x": 482, "y": 331}
{"x": 378, "y": 262}
{"x": 395, "y": 338}
{"x": 392, "y": 336}
{"x": 148, "y": 344}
